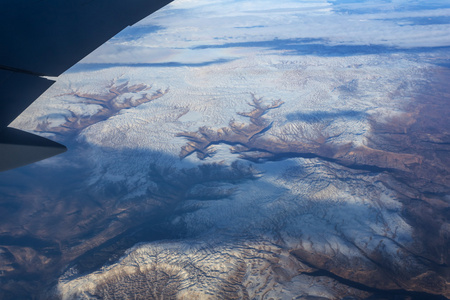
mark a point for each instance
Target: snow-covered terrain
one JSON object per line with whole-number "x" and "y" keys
{"x": 309, "y": 204}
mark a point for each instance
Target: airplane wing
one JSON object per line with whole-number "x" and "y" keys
{"x": 45, "y": 38}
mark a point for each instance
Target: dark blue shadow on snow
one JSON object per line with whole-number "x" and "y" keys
{"x": 339, "y": 6}
{"x": 414, "y": 21}
{"x": 249, "y": 27}
{"x": 82, "y": 67}
{"x": 313, "y": 47}
{"x": 266, "y": 44}
{"x": 318, "y": 116}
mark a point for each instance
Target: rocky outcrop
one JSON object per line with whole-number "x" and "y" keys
{"x": 115, "y": 98}
{"x": 254, "y": 269}
{"x": 249, "y": 140}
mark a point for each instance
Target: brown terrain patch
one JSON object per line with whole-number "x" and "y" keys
{"x": 249, "y": 141}
{"x": 424, "y": 189}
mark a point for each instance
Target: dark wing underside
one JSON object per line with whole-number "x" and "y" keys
{"x": 45, "y": 38}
